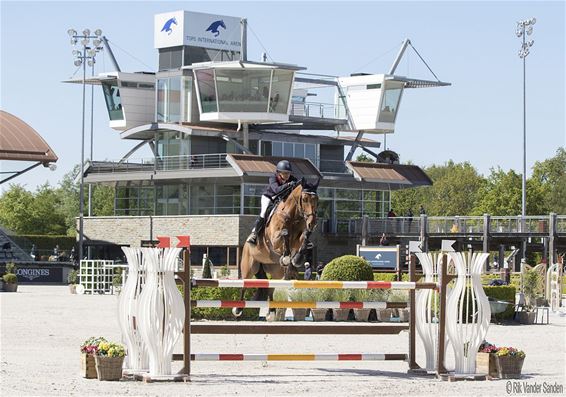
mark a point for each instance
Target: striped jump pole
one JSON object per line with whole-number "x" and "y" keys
{"x": 296, "y": 305}
{"x": 255, "y": 283}
{"x": 300, "y": 357}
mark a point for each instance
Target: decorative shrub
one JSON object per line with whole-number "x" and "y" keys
{"x": 348, "y": 268}
{"x": 72, "y": 277}
{"x": 11, "y": 267}
{"x": 502, "y": 293}
{"x": 213, "y": 313}
{"x": 10, "y": 278}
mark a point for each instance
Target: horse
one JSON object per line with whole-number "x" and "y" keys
{"x": 167, "y": 25}
{"x": 214, "y": 26}
{"x": 281, "y": 248}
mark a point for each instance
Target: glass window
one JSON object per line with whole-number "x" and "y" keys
{"x": 299, "y": 150}
{"x": 207, "y": 90}
{"x": 252, "y": 198}
{"x": 288, "y": 149}
{"x": 171, "y": 199}
{"x": 227, "y": 199}
{"x": 202, "y": 200}
{"x": 162, "y": 91}
{"x": 113, "y": 101}
{"x": 277, "y": 149}
{"x": 310, "y": 153}
{"x": 243, "y": 90}
{"x": 174, "y": 114}
{"x": 280, "y": 91}
{"x": 187, "y": 97}
{"x": 390, "y": 103}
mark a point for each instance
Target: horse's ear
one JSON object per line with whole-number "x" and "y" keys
{"x": 315, "y": 186}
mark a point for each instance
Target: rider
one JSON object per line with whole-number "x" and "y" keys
{"x": 279, "y": 181}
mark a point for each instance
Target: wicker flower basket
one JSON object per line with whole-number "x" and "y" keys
{"x": 485, "y": 364}
{"x": 509, "y": 367}
{"x": 362, "y": 314}
{"x": 299, "y": 314}
{"x": 88, "y": 366}
{"x": 340, "y": 314}
{"x": 109, "y": 368}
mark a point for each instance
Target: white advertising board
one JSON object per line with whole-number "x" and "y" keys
{"x": 196, "y": 29}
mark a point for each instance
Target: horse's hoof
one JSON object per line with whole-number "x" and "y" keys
{"x": 237, "y": 312}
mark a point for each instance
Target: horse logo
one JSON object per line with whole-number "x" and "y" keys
{"x": 213, "y": 28}
{"x": 167, "y": 26}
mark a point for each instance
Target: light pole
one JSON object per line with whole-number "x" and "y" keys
{"x": 525, "y": 28}
{"x": 83, "y": 57}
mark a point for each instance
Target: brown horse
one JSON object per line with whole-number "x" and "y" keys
{"x": 282, "y": 246}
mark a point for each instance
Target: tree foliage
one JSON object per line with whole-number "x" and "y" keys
{"x": 51, "y": 210}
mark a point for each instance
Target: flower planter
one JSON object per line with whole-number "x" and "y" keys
{"x": 362, "y": 314}
{"x": 299, "y": 314}
{"x": 109, "y": 368}
{"x": 384, "y": 315}
{"x": 509, "y": 367}
{"x": 280, "y": 314}
{"x": 73, "y": 288}
{"x": 10, "y": 287}
{"x": 340, "y": 314}
{"x": 319, "y": 314}
{"x": 404, "y": 315}
{"x": 485, "y": 364}
{"x": 88, "y": 366}
{"x": 526, "y": 317}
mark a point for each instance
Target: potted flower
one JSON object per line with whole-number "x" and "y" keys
{"x": 509, "y": 362}
{"x": 10, "y": 279}
{"x": 485, "y": 360}
{"x": 531, "y": 288}
{"x": 88, "y": 350}
{"x": 72, "y": 280}
{"x": 109, "y": 359}
{"x": 280, "y": 295}
{"x": 320, "y": 295}
{"x": 299, "y": 295}
{"x": 341, "y": 295}
{"x": 399, "y": 297}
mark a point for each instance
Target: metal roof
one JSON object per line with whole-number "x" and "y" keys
{"x": 392, "y": 176}
{"x": 417, "y": 83}
{"x": 19, "y": 141}
{"x": 252, "y": 165}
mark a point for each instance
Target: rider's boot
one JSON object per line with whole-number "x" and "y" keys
{"x": 259, "y": 224}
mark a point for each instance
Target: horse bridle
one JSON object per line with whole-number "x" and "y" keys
{"x": 302, "y": 212}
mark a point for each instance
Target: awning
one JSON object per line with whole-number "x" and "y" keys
{"x": 251, "y": 165}
{"x": 391, "y": 176}
{"x": 19, "y": 141}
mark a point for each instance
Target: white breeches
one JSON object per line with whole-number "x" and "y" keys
{"x": 265, "y": 201}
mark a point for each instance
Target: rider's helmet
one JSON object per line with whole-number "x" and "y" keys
{"x": 284, "y": 166}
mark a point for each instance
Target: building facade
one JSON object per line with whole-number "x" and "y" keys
{"x": 217, "y": 124}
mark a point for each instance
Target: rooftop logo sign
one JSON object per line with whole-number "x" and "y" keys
{"x": 195, "y": 29}
{"x": 167, "y": 26}
{"x": 214, "y": 26}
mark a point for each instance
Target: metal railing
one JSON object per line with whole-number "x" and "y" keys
{"x": 448, "y": 225}
{"x": 319, "y": 110}
{"x": 167, "y": 163}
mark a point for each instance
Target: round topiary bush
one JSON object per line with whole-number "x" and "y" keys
{"x": 348, "y": 268}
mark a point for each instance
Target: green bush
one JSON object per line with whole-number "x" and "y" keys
{"x": 11, "y": 267}
{"x": 348, "y": 268}
{"x": 10, "y": 278}
{"x": 227, "y": 294}
{"x": 503, "y": 293}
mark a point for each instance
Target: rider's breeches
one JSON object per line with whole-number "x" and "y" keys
{"x": 265, "y": 201}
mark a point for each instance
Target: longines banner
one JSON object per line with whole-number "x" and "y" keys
{"x": 196, "y": 29}
{"x": 31, "y": 274}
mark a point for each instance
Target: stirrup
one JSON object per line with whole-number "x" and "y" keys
{"x": 252, "y": 238}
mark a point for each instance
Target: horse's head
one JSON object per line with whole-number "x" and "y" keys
{"x": 309, "y": 203}
{"x": 221, "y": 24}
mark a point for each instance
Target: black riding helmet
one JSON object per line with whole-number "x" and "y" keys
{"x": 284, "y": 166}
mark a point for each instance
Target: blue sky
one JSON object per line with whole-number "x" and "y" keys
{"x": 470, "y": 44}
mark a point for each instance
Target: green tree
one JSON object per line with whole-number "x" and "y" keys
{"x": 15, "y": 209}
{"x": 454, "y": 191}
{"x": 364, "y": 158}
{"x": 549, "y": 178}
{"x": 68, "y": 192}
{"x": 46, "y": 214}
{"x": 103, "y": 200}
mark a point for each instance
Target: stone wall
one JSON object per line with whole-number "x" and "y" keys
{"x": 205, "y": 230}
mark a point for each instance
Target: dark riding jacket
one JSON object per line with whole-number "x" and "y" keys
{"x": 275, "y": 187}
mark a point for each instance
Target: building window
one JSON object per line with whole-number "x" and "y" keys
{"x": 113, "y": 101}
{"x": 252, "y": 198}
{"x": 187, "y": 97}
{"x": 280, "y": 91}
{"x": 227, "y": 200}
{"x": 207, "y": 91}
{"x": 169, "y": 100}
{"x": 390, "y": 103}
{"x": 133, "y": 198}
{"x": 202, "y": 200}
{"x": 173, "y": 149}
{"x": 294, "y": 149}
{"x": 243, "y": 90}
{"x": 172, "y": 199}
